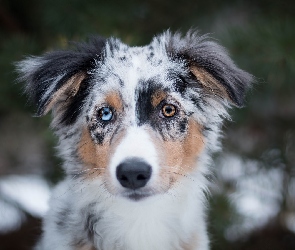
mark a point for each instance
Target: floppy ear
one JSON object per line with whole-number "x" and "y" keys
{"x": 66, "y": 92}
{"x": 211, "y": 67}
{"x": 59, "y": 80}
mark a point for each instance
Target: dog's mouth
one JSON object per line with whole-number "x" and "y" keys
{"x": 136, "y": 195}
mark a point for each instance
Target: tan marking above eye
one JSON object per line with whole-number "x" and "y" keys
{"x": 157, "y": 97}
{"x": 169, "y": 110}
{"x": 114, "y": 100}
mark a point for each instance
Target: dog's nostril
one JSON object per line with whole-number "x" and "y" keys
{"x": 133, "y": 173}
{"x": 124, "y": 178}
{"x": 141, "y": 177}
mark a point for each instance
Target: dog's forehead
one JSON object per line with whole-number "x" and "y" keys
{"x": 125, "y": 67}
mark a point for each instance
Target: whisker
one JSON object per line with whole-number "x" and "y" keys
{"x": 181, "y": 174}
{"x": 82, "y": 173}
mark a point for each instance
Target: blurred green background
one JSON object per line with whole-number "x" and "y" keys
{"x": 252, "y": 206}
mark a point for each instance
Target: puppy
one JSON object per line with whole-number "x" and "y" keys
{"x": 136, "y": 129}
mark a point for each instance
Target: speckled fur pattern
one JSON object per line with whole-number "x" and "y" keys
{"x": 89, "y": 209}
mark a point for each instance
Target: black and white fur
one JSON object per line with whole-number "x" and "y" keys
{"x": 93, "y": 208}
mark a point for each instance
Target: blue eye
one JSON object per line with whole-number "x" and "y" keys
{"x": 105, "y": 114}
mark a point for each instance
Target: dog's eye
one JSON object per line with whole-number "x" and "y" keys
{"x": 169, "y": 110}
{"x": 105, "y": 114}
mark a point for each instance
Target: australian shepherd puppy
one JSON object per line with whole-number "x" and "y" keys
{"x": 136, "y": 128}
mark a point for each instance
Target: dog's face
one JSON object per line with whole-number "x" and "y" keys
{"x": 140, "y": 130}
{"x": 136, "y": 119}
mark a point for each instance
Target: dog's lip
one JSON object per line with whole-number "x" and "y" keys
{"x": 136, "y": 195}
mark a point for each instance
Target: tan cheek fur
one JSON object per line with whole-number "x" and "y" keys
{"x": 178, "y": 157}
{"x": 95, "y": 157}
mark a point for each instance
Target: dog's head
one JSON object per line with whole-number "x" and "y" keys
{"x": 136, "y": 119}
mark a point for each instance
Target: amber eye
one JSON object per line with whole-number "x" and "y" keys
{"x": 168, "y": 110}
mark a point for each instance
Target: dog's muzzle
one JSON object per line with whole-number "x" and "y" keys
{"x": 133, "y": 173}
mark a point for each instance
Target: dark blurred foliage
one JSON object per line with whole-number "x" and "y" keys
{"x": 260, "y": 36}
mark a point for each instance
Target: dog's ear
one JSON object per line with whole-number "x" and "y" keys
{"x": 59, "y": 80}
{"x": 210, "y": 67}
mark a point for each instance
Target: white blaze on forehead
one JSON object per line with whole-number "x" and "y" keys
{"x": 137, "y": 143}
{"x": 135, "y": 67}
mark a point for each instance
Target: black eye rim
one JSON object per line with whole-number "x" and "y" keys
{"x": 99, "y": 114}
{"x": 174, "y": 108}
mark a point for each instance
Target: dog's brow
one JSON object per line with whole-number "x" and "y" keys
{"x": 115, "y": 100}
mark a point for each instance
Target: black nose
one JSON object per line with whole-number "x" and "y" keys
{"x": 133, "y": 173}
